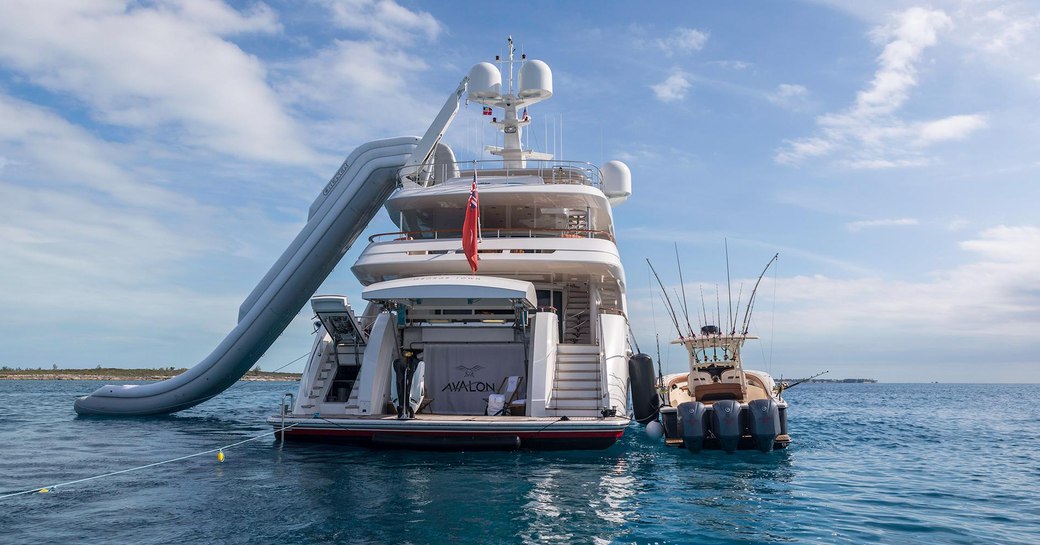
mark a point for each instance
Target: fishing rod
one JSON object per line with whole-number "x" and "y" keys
{"x": 729, "y": 287}
{"x": 784, "y": 386}
{"x": 686, "y": 310}
{"x": 751, "y": 299}
{"x": 667, "y": 300}
{"x": 657, "y": 337}
{"x": 705, "y": 330}
{"x": 733, "y": 324}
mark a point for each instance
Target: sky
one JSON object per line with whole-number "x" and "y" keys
{"x": 157, "y": 157}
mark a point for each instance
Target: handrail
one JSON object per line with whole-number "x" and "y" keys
{"x": 550, "y": 171}
{"x": 496, "y": 233}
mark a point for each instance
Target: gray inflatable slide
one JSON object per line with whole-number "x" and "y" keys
{"x": 338, "y": 216}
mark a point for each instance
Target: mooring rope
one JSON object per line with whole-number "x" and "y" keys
{"x": 219, "y": 450}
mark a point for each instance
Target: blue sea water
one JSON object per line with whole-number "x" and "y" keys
{"x": 870, "y": 463}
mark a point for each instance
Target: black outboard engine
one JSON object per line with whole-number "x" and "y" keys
{"x": 726, "y": 424}
{"x": 646, "y": 402}
{"x": 764, "y": 423}
{"x": 693, "y": 424}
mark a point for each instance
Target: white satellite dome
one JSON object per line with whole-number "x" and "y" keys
{"x": 535, "y": 81}
{"x": 617, "y": 181}
{"x": 485, "y": 82}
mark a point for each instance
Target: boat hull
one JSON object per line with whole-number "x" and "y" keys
{"x": 471, "y": 433}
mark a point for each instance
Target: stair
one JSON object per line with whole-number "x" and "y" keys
{"x": 325, "y": 374}
{"x": 577, "y": 318}
{"x": 577, "y": 387}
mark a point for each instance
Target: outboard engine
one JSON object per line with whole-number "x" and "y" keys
{"x": 646, "y": 403}
{"x": 693, "y": 424}
{"x": 726, "y": 424}
{"x": 764, "y": 423}
{"x": 670, "y": 421}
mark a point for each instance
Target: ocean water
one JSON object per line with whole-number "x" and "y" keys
{"x": 870, "y": 463}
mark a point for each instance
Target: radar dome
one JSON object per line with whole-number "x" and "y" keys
{"x": 617, "y": 181}
{"x": 485, "y": 82}
{"x": 535, "y": 81}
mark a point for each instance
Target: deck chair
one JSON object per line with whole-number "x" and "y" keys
{"x": 505, "y": 402}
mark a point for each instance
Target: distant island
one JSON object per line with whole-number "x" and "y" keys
{"x": 833, "y": 380}
{"x": 116, "y": 374}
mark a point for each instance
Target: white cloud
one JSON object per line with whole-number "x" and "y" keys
{"x": 869, "y": 224}
{"x": 907, "y": 36}
{"x": 733, "y": 65}
{"x": 869, "y": 134}
{"x": 994, "y": 295}
{"x": 957, "y": 127}
{"x": 164, "y": 68}
{"x": 1000, "y": 32}
{"x": 797, "y": 150}
{"x": 673, "y": 88}
{"x": 684, "y": 40}
{"x": 60, "y": 153}
{"x": 789, "y": 95}
{"x": 384, "y": 19}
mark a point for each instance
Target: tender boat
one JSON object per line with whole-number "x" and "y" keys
{"x": 720, "y": 405}
{"x": 716, "y": 403}
{"x": 516, "y": 340}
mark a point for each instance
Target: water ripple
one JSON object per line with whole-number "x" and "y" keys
{"x": 885, "y": 463}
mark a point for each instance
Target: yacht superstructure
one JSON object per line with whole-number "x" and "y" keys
{"x": 529, "y": 349}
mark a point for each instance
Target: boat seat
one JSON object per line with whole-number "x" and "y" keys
{"x": 731, "y": 376}
{"x": 698, "y": 377}
{"x": 718, "y": 391}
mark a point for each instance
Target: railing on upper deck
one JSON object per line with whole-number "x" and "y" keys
{"x": 551, "y": 172}
{"x": 485, "y": 233}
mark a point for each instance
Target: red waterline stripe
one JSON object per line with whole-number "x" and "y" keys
{"x": 521, "y": 435}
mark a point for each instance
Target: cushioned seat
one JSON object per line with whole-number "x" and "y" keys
{"x": 718, "y": 391}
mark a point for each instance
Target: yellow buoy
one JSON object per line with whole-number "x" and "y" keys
{"x": 44, "y": 490}
{"x": 220, "y": 456}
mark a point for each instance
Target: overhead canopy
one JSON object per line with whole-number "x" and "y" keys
{"x": 428, "y": 289}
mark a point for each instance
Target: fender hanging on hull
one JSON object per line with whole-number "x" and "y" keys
{"x": 646, "y": 403}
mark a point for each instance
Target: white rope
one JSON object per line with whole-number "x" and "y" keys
{"x": 146, "y": 466}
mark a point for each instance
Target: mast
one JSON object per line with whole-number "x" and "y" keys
{"x": 533, "y": 83}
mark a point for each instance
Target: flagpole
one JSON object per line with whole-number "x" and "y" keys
{"x": 480, "y": 233}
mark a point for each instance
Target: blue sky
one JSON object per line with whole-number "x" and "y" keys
{"x": 157, "y": 157}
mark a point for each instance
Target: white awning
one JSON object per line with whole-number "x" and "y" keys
{"x": 452, "y": 287}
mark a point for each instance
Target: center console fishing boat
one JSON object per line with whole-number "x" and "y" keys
{"x": 495, "y": 316}
{"x": 716, "y": 403}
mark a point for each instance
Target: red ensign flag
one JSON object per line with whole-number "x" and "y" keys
{"x": 470, "y": 226}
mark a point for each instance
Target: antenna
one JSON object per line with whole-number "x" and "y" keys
{"x": 511, "y": 50}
